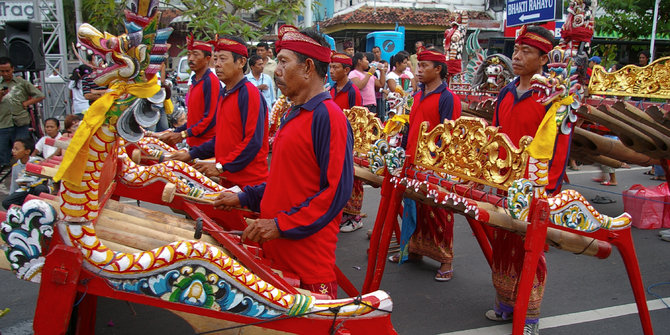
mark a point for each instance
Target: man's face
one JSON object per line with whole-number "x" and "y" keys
{"x": 6, "y": 72}
{"x": 418, "y": 45}
{"x": 197, "y": 60}
{"x": 377, "y": 52}
{"x": 226, "y": 67}
{"x": 349, "y": 52}
{"x": 427, "y": 71}
{"x": 290, "y": 73}
{"x": 258, "y": 67}
{"x": 527, "y": 60}
{"x": 19, "y": 151}
{"x": 643, "y": 60}
{"x": 51, "y": 128}
{"x": 337, "y": 71}
{"x": 261, "y": 51}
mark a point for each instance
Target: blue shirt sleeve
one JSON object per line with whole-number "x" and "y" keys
{"x": 251, "y": 197}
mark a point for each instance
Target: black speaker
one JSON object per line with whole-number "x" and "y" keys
{"x": 24, "y": 45}
{"x": 3, "y": 45}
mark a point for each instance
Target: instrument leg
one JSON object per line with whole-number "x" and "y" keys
{"x": 534, "y": 245}
{"x": 377, "y": 258}
{"x": 58, "y": 288}
{"x": 482, "y": 238}
{"x": 624, "y": 242}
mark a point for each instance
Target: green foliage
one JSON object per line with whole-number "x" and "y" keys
{"x": 632, "y": 19}
{"x": 105, "y": 15}
{"x": 211, "y": 17}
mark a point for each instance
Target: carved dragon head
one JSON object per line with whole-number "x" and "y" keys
{"x": 494, "y": 73}
{"x": 561, "y": 79}
{"x": 133, "y": 57}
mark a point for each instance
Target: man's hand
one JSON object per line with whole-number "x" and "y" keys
{"x": 180, "y": 155}
{"x": 207, "y": 168}
{"x": 227, "y": 201}
{"x": 261, "y": 231}
{"x": 262, "y": 87}
{"x": 171, "y": 138}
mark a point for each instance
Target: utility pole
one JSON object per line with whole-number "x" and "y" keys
{"x": 308, "y": 14}
{"x": 653, "y": 31}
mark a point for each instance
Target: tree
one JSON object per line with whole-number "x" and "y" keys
{"x": 632, "y": 19}
{"x": 209, "y": 17}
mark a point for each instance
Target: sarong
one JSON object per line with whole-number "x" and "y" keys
{"x": 508, "y": 253}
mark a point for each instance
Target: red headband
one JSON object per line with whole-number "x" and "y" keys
{"x": 341, "y": 58}
{"x": 534, "y": 40}
{"x": 224, "y": 44}
{"x": 432, "y": 55}
{"x": 292, "y": 39}
{"x": 192, "y": 44}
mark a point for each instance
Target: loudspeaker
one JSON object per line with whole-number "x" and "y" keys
{"x": 24, "y": 45}
{"x": 3, "y": 45}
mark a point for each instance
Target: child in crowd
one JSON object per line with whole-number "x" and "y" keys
{"x": 52, "y": 130}
{"x": 22, "y": 185}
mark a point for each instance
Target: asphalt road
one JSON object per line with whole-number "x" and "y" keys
{"x": 584, "y": 295}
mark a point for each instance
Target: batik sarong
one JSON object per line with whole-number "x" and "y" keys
{"x": 508, "y": 253}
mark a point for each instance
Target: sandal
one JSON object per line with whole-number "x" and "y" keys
{"x": 598, "y": 180}
{"x": 443, "y": 276}
{"x": 657, "y": 178}
{"x": 649, "y": 172}
{"x": 411, "y": 258}
{"x": 607, "y": 183}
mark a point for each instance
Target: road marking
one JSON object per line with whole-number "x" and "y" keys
{"x": 617, "y": 170}
{"x": 566, "y": 319}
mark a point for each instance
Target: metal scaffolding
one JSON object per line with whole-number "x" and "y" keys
{"x": 54, "y": 79}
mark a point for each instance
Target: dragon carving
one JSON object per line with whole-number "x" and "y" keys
{"x": 454, "y": 40}
{"x": 189, "y": 272}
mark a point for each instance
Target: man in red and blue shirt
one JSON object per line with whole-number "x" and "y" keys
{"x": 203, "y": 95}
{"x": 344, "y": 92}
{"x": 311, "y": 174}
{"x": 433, "y": 233}
{"x": 241, "y": 146}
{"x": 518, "y": 113}
{"x": 346, "y": 95}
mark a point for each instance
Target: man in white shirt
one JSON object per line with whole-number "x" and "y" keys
{"x": 263, "y": 50}
{"x": 261, "y": 80}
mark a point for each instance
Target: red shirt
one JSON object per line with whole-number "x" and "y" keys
{"x": 203, "y": 96}
{"x": 310, "y": 181}
{"x": 349, "y": 96}
{"x": 241, "y": 142}
{"x": 434, "y": 107}
{"x": 522, "y": 116}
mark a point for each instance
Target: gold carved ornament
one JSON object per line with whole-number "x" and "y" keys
{"x": 651, "y": 81}
{"x": 470, "y": 149}
{"x": 366, "y": 127}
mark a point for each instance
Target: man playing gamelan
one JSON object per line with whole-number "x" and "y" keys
{"x": 311, "y": 172}
{"x": 434, "y": 103}
{"x": 518, "y": 113}
{"x": 346, "y": 95}
{"x": 241, "y": 146}
{"x": 203, "y": 95}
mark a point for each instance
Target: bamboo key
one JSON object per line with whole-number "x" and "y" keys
{"x": 170, "y": 191}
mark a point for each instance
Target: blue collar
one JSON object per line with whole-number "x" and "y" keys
{"x": 345, "y": 88}
{"x": 308, "y": 106}
{"x": 205, "y": 75}
{"x": 226, "y": 92}
{"x": 438, "y": 90}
